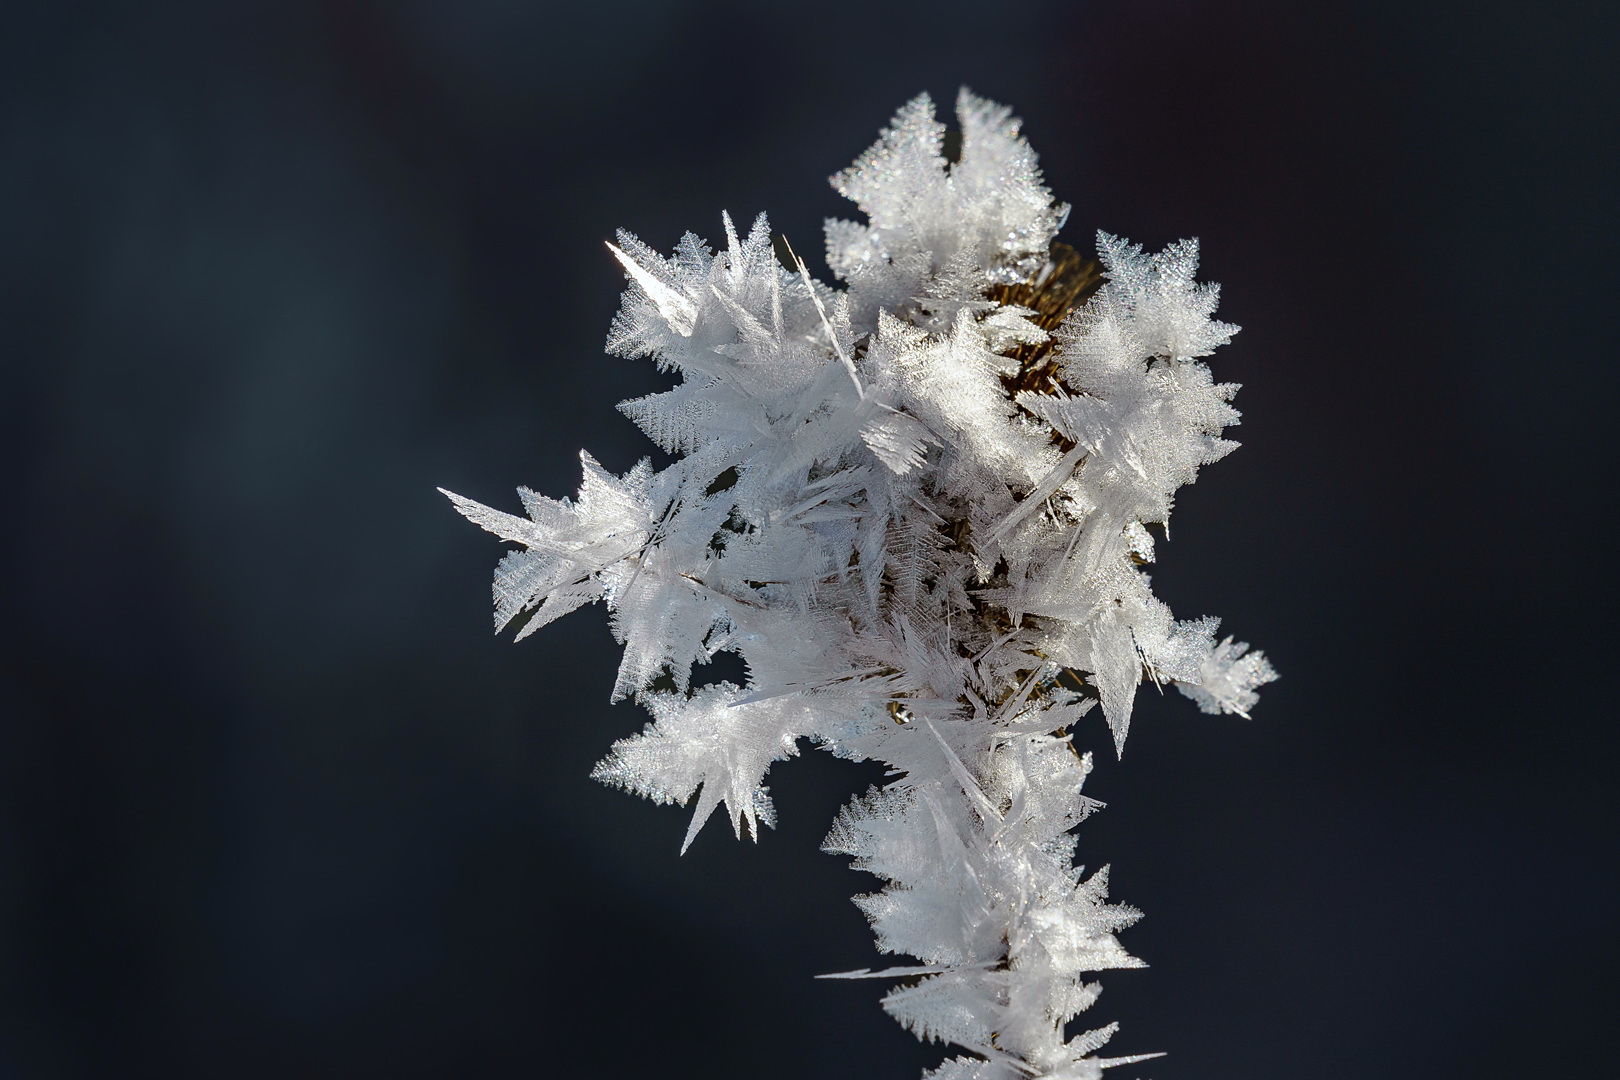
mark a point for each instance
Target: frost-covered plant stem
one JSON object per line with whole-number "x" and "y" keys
{"x": 918, "y": 509}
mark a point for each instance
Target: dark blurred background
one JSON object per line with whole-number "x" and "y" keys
{"x": 275, "y": 802}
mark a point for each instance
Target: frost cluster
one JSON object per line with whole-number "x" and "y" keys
{"x": 918, "y": 509}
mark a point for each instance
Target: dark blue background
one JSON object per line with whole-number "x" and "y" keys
{"x": 276, "y": 804}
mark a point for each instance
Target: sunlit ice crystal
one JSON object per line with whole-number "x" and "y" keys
{"x": 918, "y": 506}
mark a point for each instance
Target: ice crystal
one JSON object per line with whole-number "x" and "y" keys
{"x": 917, "y": 509}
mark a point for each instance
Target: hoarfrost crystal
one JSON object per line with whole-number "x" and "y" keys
{"x": 918, "y": 510}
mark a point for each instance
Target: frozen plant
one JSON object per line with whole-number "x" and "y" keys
{"x": 919, "y": 510}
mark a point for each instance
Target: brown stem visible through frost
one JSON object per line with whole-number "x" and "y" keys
{"x": 1068, "y": 280}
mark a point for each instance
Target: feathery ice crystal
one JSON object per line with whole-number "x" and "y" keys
{"x": 918, "y": 510}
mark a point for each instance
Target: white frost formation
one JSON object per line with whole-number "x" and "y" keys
{"x": 918, "y": 509}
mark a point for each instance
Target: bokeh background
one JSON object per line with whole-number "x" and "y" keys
{"x": 275, "y": 802}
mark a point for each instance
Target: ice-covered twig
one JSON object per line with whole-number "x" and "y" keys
{"x": 916, "y": 508}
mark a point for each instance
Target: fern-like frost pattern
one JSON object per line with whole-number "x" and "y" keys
{"x": 918, "y": 508}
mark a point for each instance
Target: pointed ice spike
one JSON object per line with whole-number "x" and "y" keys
{"x": 677, "y": 310}
{"x": 733, "y": 246}
{"x": 832, "y": 332}
{"x": 506, "y": 526}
